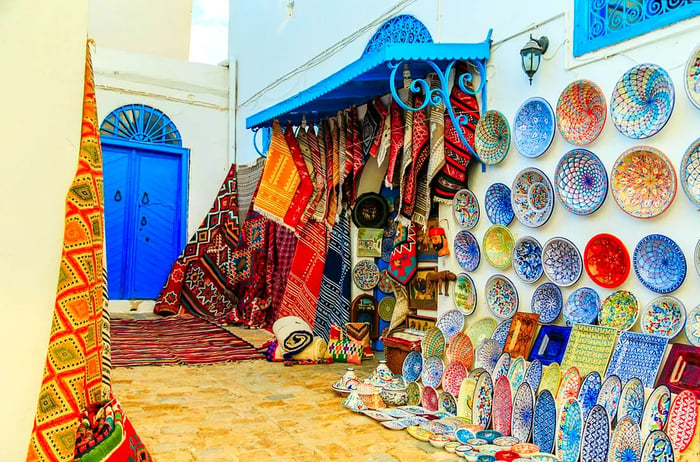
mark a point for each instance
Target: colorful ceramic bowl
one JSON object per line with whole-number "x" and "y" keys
{"x": 606, "y": 260}
{"x": 691, "y": 77}
{"x": 533, "y": 127}
{"x": 581, "y": 182}
{"x": 659, "y": 263}
{"x": 561, "y": 261}
{"x": 492, "y": 137}
{"x": 498, "y": 246}
{"x": 466, "y": 208}
{"x": 497, "y": 204}
{"x": 532, "y": 197}
{"x": 664, "y": 315}
{"x": 581, "y": 112}
{"x": 689, "y": 172}
{"x": 501, "y": 296}
{"x": 619, "y": 310}
{"x": 527, "y": 259}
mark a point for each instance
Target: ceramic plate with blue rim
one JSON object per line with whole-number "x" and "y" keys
{"x": 569, "y": 426}
{"x": 532, "y": 197}
{"x": 533, "y": 127}
{"x": 501, "y": 296}
{"x": 516, "y": 372}
{"x": 502, "y": 366}
{"x": 637, "y": 355}
{"x": 550, "y": 344}
{"x": 659, "y": 263}
{"x": 609, "y": 396}
{"x": 588, "y": 393}
{"x": 483, "y": 395}
{"x": 582, "y": 306}
{"x": 450, "y": 322}
{"x": 527, "y": 259}
{"x": 431, "y": 375}
{"x": 467, "y": 250}
{"x": 547, "y": 301}
{"x": 487, "y": 355}
{"x": 581, "y": 182}
{"x": 544, "y": 421}
{"x": 466, "y": 208}
{"x": 664, "y": 315}
{"x": 689, "y": 172}
{"x": 656, "y": 410}
{"x": 626, "y": 442}
{"x": 447, "y": 403}
{"x": 501, "y": 333}
{"x": 465, "y": 294}
{"x": 561, "y": 261}
{"x": 533, "y": 374}
{"x": 412, "y": 366}
{"x": 497, "y": 204}
{"x": 657, "y": 448}
{"x": 631, "y": 401}
{"x": 523, "y": 408}
{"x": 692, "y": 326}
{"x": 595, "y": 441}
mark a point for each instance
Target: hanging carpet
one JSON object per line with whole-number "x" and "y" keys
{"x": 281, "y": 256}
{"x": 295, "y": 215}
{"x": 247, "y": 179}
{"x": 421, "y": 153}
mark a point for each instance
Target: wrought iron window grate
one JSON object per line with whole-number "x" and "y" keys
{"x": 141, "y": 123}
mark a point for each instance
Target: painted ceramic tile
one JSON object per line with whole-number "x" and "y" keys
{"x": 637, "y": 355}
{"x": 521, "y": 334}
{"x": 369, "y": 242}
{"x": 589, "y": 348}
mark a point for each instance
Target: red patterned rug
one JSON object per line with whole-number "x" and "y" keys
{"x": 179, "y": 339}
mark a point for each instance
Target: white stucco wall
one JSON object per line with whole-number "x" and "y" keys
{"x": 269, "y": 43}
{"x": 41, "y": 90}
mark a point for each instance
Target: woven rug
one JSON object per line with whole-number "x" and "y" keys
{"x": 182, "y": 339}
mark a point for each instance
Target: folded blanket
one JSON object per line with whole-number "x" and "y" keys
{"x": 318, "y": 349}
{"x": 293, "y": 334}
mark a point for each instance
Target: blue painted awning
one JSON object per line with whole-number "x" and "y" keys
{"x": 367, "y": 77}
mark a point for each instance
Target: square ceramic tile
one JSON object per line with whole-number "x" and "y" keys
{"x": 589, "y": 348}
{"x": 681, "y": 370}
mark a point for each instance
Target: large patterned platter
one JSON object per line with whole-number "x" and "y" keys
{"x": 433, "y": 344}
{"x": 431, "y": 374}
{"x": 692, "y": 326}
{"x": 500, "y": 334}
{"x": 570, "y": 385}
{"x": 466, "y": 208}
{"x": 569, "y": 426}
{"x": 643, "y": 182}
{"x": 691, "y": 77}
{"x": 487, "y": 355}
{"x": 619, "y": 310}
{"x": 492, "y": 137}
{"x": 498, "y": 246}
{"x": 452, "y": 379}
{"x": 682, "y": 420}
{"x": 516, "y": 373}
{"x": 523, "y": 407}
{"x": 609, "y": 396}
{"x": 581, "y": 182}
{"x": 465, "y": 294}
{"x": 501, "y": 296}
{"x": 412, "y": 366}
{"x": 532, "y": 197}
{"x": 502, "y": 366}
{"x": 595, "y": 441}
{"x": 365, "y": 274}
{"x": 642, "y": 101}
{"x": 589, "y": 348}
{"x": 467, "y": 250}
{"x": 561, "y": 261}
{"x": 659, "y": 263}
{"x": 626, "y": 442}
{"x": 544, "y": 421}
{"x": 450, "y": 322}
{"x": 656, "y": 410}
{"x": 483, "y": 400}
{"x": 637, "y": 355}
{"x": 631, "y": 403}
{"x": 551, "y": 377}
{"x": 533, "y": 127}
{"x": 581, "y": 112}
{"x": 547, "y": 301}
{"x": 502, "y": 406}
{"x": 664, "y": 315}
{"x": 527, "y": 259}
{"x": 689, "y": 173}
{"x": 588, "y": 393}
{"x": 657, "y": 448}
{"x": 582, "y": 306}
{"x": 606, "y": 260}
{"x": 497, "y": 204}
{"x": 460, "y": 350}
{"x": 533, "y": 374}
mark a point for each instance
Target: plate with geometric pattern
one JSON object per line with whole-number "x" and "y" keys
{"x": 492, "y": 137}
{"x": 682, "y": 419}
{"x": 637, "y": 355}
{"x": 659, "y": 263}
{"x": 581, "y": 182}
{"x": 609, "y": 396}
{"x": 689, "y": 172}
{"x": 501, "y": 296}
{"x": 626, "y": 442}
{"x": 664, "y": 315}
{"x": 631, "y": 401}
{"x": 656, "y": 410}
{"x": 533, "y": 127}
{"x": 544, "y": 421}
{"x": 581, "y": 112}
{"x": 532, "y": 197}
{"x": 569, "y": 426}
{"x": 595, "y": 440}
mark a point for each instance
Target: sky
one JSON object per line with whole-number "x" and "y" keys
{"x": 209, "y": 35}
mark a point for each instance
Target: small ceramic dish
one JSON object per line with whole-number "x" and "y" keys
{"x": 488, "y": 436}
{"x": 451, "y": 446}
{"x": 439, "y": 441}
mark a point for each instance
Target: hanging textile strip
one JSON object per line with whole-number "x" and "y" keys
{"x": 396, "y": 147}
{"x": 421, "y": 153}
{"x": 385, "y": 138}
{"x": 403, "y": 262}
{"x": 247, "y": 179}
{"x": 421, "y": 204}
{"x": 223, "y": 215}
{"x": 453, "y": 175}
{"x": 280, "y": 179}
{"x": 320, "y": 175}
{"x": 281, "y": 256}
{"x": 356, "y": 146}
{"x": 342, "y": 160}
{"x": 437, "y": 134}
{"x": 294, "y": 218}
{"x": 331, "y": 132}
{"x": 334, "y": 297}
{"x": 322, "y": 138}
{"x": 303, "y": 142}
{"x": 304, "y": 282}
{"x": 407, "y": 156}
{"x": 372, "y": 128}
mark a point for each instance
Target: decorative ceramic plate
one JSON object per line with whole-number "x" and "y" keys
{"x": 487, "y": 355}
{"x": 631, "y": 401}
{"x": 690, "y": 173}
{"x": 581, "y": 112}
{"x": 527, "y": 259}
{"x": 412, "y": 366}
{"x": 452, "y": 379}
{"x": 659, "y": 263}
{"x": 533, "y": 127}
{"x": 657, "y": 448}
{"x": 606, "y": 260}
{"x": 561, "y": 261}
{"x": 532, "y": 197}
{"x": 431, "y": 374}
{"x": 692, "y": 327}
{"x": 547, "y": 302}
{"x": 467, "y": 250}
{"x": 483, "y": 394}
{"x": 589, "y": 348}
{"x": 523, "y": 407}
{"x": 414, "y": 390}
{"x": 450, "y": 322}
{"x": 581, "y": 182}
{"x": 582, "y": 306}
{"x": 460, "y": 350}
{"x": 447, "y": 403}
{"x": 433, "y": 344}
{"x": 609, "y": 396}
{"x": 365, "y": 274}
{"x": 516, "y": 373}
{"x": 550, "y": 344}
{"x": 502, "y": 367}
{"x": 502, "y": 406}
{"x": 497, "y": 204}
{"x": 466, "y": 208}
{"x": 692, "y": 77}
{"x": 465, "y": 400}
{"x": 385, "y": 283}
{"x": 595, "y": 440}
{"x": 588, "y": 393}
{"x": 370, "y": 211}
{"x": 498, "y": 246}
{"x": 642, "y": 101}
{"x": 492, "y": 137}
{"x": 385, "y": 308}
{"x": 637, "y": 355}
{"x": 501, "y": 296}
{"x": 697, "y": 257}
{"x": 570, "y": 385}
{"x": 682, "y": 419}
{"x": 569, "y": 426}
{"x": 544, "y": 421}
{"x": 465, "y": 294}
{"x": 656, "y": 410}
{"x": 665, "y": 315}
{"x": 429, "y": 398}
{"x": 551, "y": 377}
{"x": 643, "y": 182}
{"x": 500, "y": 334}
{"x": 533, "y": 374}
{"x": 379, "y": 416}
{"x": 396, "y": 424}
{"x": 619, "y": 310}
{"x": 416, "y": 410}
{"x": 626, "y": 442}
{"x": 421, "y": 434}
{"x": 481, "y": 330}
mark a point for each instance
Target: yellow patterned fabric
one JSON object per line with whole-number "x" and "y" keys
{"x": 280, "y": 179}
{"x": 74, "y": 366}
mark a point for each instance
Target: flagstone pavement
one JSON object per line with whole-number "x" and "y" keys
{"x": 260, "y": 411}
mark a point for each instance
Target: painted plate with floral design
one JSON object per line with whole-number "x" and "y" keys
{"x": 656, "y": 410}
{"x": 465, "y": 294}
{"x": 581, "y": 112}
{"x": 532, "y": 197}
{"x": 588, "y": 393}
{"x": 643, "y": 182}
{"x": 582, "y": 306}
{"x": 365, "y": 274}
{"x": 497, "y": 204}
{"x": 626, "y": 442}
{"x": 492, "y": 137}
{"x": 659, "y": 263}
{"x": 691, "y": 78}
{"x": 547, "y": 302}
{"x": 467, "y": 250}
{"x": 619, "y": 310}
{"x": 483, "y": 400}
{"x": 527, "y": 259}
{"x": 447, "y": 403}
{"x": 429, "y": 398}
{"x": 569, "y": 426}
{"x": 631, "y": 403}
{"x": 570, "y": 385}
{"x": 498, "y": 246}
{"x": 431, "y": 374}
{"x": 533, "y": 127}
{"x": 502, "y": 366}
{"x": 450, "y": 322}
{"x": 609, "y": 396}
{"x": 523, "y": 407}
{"x": 665, "y": 315}
{"x": 606, "y": 260}
{"x": 501, "y": 296}
{"x": 692, "y": 326}
{"x": 561, "y": 261}
{"x": 412, "y": 366}
{"x": 466, "y": 208}
{"x": 487, "y": 355}
{"x": 689, "y": 172}
{"x": 581, "y": 182}
{"x": 452, "y": 378}
{"x": 657, "y": 448}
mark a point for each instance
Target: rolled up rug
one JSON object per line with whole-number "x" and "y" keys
{"x": 317, "y": 349}
{"x": 293, "y": 334}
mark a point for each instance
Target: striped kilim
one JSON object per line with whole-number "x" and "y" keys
{"x": 295, "y": 214}
{"x": 421, "y": 154}
{"x": 396, "y": 147}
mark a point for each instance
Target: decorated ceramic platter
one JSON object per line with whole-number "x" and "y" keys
{"x": 480, "y": 330}
{"x": 466, "y": 208}
{"x": 547, "y": 302}
{"x": 689, "y": 173}
{"x": 637, "y": 355}
{"x": 501, "y": 296}
{"x": 483, "y": 400}
{"x": 523, "y": 407}
{"x": 516, "y": 372}
{"x": 487, "y": 355}
{"x": 533, "y": 374}
{"x": 595, "y": 440}
{"x": 609, "y": 396}
{"x": 464, "y": 294}
{"x": 412, "y": 366}
{"x": 570, "y": 384}
{"x": 656, "y": 410}
{"x": 551, "y": 378}
{"x": 502, "y": 366}
{"x": 569, "y": 426}
{"x": 431, "y": 374}
{"x": 659, "y": 263}
{"x": 588, "y": 393}
{"x": 498, "y": 246}
{"x": 450, "y": 322}
{"x": 642, "y": 101}
{"x": 581, "y": 112}
{"x": 467, "y": 250}
{"x": 447, "y": 403}
{"x": 664, "y": 315}
{"x": 606, "y": 260}
{"x": 421, "y": 434}
{"x": 385, "y": 309}
{"x": 433, "y": 343}
{"x": 365, "y": 274}
{"x": 429, "y": 398}
{"x": 619, "y": 310}
{"x": 532, "y": 197}
{"x": 414, "y": 390}
{"x": 497, "y": 204}
{"x": 582, "y": 306}
{"x": 643, "y": 182}
{"x": 385, "y": 284}
{"x": 460, "y": 350}
{"x": 527, "y": 259}
{"x": 465, "y": 399}
{"x": 533, "y": 127}
{"x": 697, "y": 257}
{"x": 631, "y": 403}
{"x": 682, "y": 419}
{"x": 691, "y": 78}
{"x": 657, "y": 448}
{"x": 492, "y": 137}
{"x": 692, "y": 326}
{"x": 379, "y": 416}
{"x": 452, "y": 379}
{"x": 502, "y": 406}
{"x": 544, "y": 421}
{"x": 626, "y": 442}
{"x": 561, "y": 261}
{"x": 581, "y": 182}
{"x": 500, "y": 334}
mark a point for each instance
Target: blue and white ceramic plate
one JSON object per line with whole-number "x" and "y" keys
{"x": 544, "y": 421}
{"x": 656, "y": 410}
{"x": 450, "y": 322}
{"x": 487, "y": 355}
{"x": 502, "y": 366}
{"x": 501, "y": 333}
{"x": 657, "y": 448}
{"x": 631, "y": 401}
{"x": 523, "y": 408}
{"x": 692, "y": 326}
{"x": 588, "y": 393}
{"x": 582, "y": 306}
{"x": 547, "y": 301}
{"x": 609, "y": 396}
{"x": 532, "y": 197}
{"x": 659, "y": 263}
{"x": 527, "y": 259}
{"x": 533, "y": 375}
{"x": 516, "y": 373}
{"x": 569, "y": 426}
{"x": 626, "y": 442}
{"x": 533, "y": 127}
{"x": 637, "y": 355}
{"x": 431, "y": 375}
{"x": 467, "y": 250}
{"x": 581, "y": 182}
{"x": 561, "y": 261}
{"x": 595, "y": 441}
{"x": 412, "y": 366}
{"x": 501, "y": 296}
{"x": 497, "y": 204}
